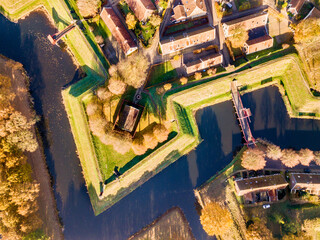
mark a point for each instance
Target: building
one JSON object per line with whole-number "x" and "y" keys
{"x": 118, "y": 30}
{"x": 262, "y": 188}
{"x": 309, "y": 182}
{"x": 142, "y": 9}
{"x": 189, "y": 9}
{"x": 295, "y": 6}
{"x": 186, "y": 39}
{"x": 314, "y": 13}
{"x": 258, "y": 44}
{"x": 248, "y": 22}
{"x": 203, "y": 61}
{"x": 128, "y": 117}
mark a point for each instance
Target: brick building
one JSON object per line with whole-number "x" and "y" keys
{"x": 258, "y": 44}
{"x": 248, "y": 22}
{"x": 142, "y": 9}
{"x": 118, "y": 30}
{"x": 295, "y": 6}
{"x": 189, "y": 9}
{"x": 190, "y": 38}
{"x": 202, "y": 61}
{"x": 309, "y": 182}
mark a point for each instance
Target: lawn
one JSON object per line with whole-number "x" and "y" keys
{"x": 161, "y": 73}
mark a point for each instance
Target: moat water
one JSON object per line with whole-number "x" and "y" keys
{"x": 50, "y": 69}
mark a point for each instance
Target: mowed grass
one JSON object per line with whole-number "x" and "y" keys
{"x": 161, "y": 73}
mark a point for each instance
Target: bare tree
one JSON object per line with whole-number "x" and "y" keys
{"x": 88, "y": 8}
{"x": 274, "y": 152}
{"x": 253, "y": 159}
{"x": 150, "y": 141}
{"x": 160, "y": 132}
{"x": 306, "y": 156}
{"x": 116, "y": 86}
{"x": 103, "y": 94}
{"x": 307, "y": 30}
{"x": 290, "y": 158}
{"x": 138, "y": 146}
{"x": 317, "y": 158}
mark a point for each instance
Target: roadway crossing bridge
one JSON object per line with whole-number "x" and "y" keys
{"x": 243, "y": 115}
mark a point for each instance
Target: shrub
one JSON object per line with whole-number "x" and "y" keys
{"x": 253, "y": 159}
{"x": 198, "y": 75}
{"x": 116, "y": 86}
{"x": 274, "y": 152}
{"x": 160, "y": 132}
{"x": 211, "y": 71}
{"x": 103, "y": 94}
{"x": 93, "y": 108}
{"x": 150, "y": 140}
{"x": 290, "y": 158}
{"x": 88, "y": 8}
{"x": 138, "y": 146}
{"x": 167, "y": 86}
{"x": 215, "y": 219}
{"x": 176, "y": 57}
{"x": 306, "y": 156}
{"x": 183, "y": 80}
{"x": 160, "y": 90}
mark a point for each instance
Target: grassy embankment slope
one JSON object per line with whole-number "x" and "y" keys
{"x": 181, "y": 106}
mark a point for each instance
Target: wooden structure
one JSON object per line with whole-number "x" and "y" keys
{"x": 243, "y": 115}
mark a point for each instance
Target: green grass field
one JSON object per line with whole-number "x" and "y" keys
{"x": 161, "y": 73}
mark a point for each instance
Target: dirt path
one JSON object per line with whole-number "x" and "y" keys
{"x": 47, "y": 203}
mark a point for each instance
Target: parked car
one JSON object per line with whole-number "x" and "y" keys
{"x": 265, "y": 206}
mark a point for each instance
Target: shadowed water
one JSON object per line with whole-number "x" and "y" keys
{"x": 50, "y": 69}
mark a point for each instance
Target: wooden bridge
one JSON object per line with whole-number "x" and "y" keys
{"x": 243, "y": 115}
{"x": 54, "y": 38}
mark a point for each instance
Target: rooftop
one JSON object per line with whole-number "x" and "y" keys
{"x": 259, "y": 40}
{"x": 190, "y": 59}
{"x": 261, "y": 182}
{"x": 245, "y": 18}
{"x": 306, "y": 178}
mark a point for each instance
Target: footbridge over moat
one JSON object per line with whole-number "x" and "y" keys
{"x": 243, "y": 115}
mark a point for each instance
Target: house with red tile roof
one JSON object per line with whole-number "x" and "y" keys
{"x": 118, "y": 30}
{"x": 314, "y": 13}
{"x": 295, "y": 6}
{"x": 189, "y": 9}
{"x": 258, "y": 44}
{"x": 186, "y": 39}
{"x": 142, "y": 9}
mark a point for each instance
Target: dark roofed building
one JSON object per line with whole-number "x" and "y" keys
{"x": 295, "y": 6}
{"x": 186, "y": 39}
{"x": 261, "y": 183}
{"x": 309, "y": 182}
{"x": 248, "y": 22}
{"x": 202, "y": 61}
{"x": 314, "y": 13}
{"x": 142, "y": 9}
{"x": 118, "y": 30}
{"x": 128, "y": 117}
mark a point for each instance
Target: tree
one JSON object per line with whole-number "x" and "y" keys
{"x": 239, "y": 35}
{"x": 138, "y": 146}
{"x": 160, "y": 132}
{"x": 215, "y": 219}
{"x": 93, "y": 107}
{"x": 131, "y": 21}
{"x": 150, "y": 141}
{"x": 160, "y": 90}
{"x": 307, "y": 31}
{"x": 167, "y": 86}
{"x": 197, "y": 75}
{"x": 290, "y": 158}
{"x": 311, "y": 226}
{"x": 116, "y": 85}
{"x": 97, "y": 124}
{"x": 273, "y": 152}
{"x": 133, "y": 69}
{"x": 99, "y": 39}
{"x": 163, "y": 4}
{"x": 317, "y": 158}
{"x": 253, "y": 159}
{"x": 306, "y": 156}
{"x": 211, "y": 71}
{"x": 183, "y": 80}
{"x": 155, "y": 20}
{"x": 103, "y": 94}
{"x": 258, "y": 231}
{"x": 88, "y": 8}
